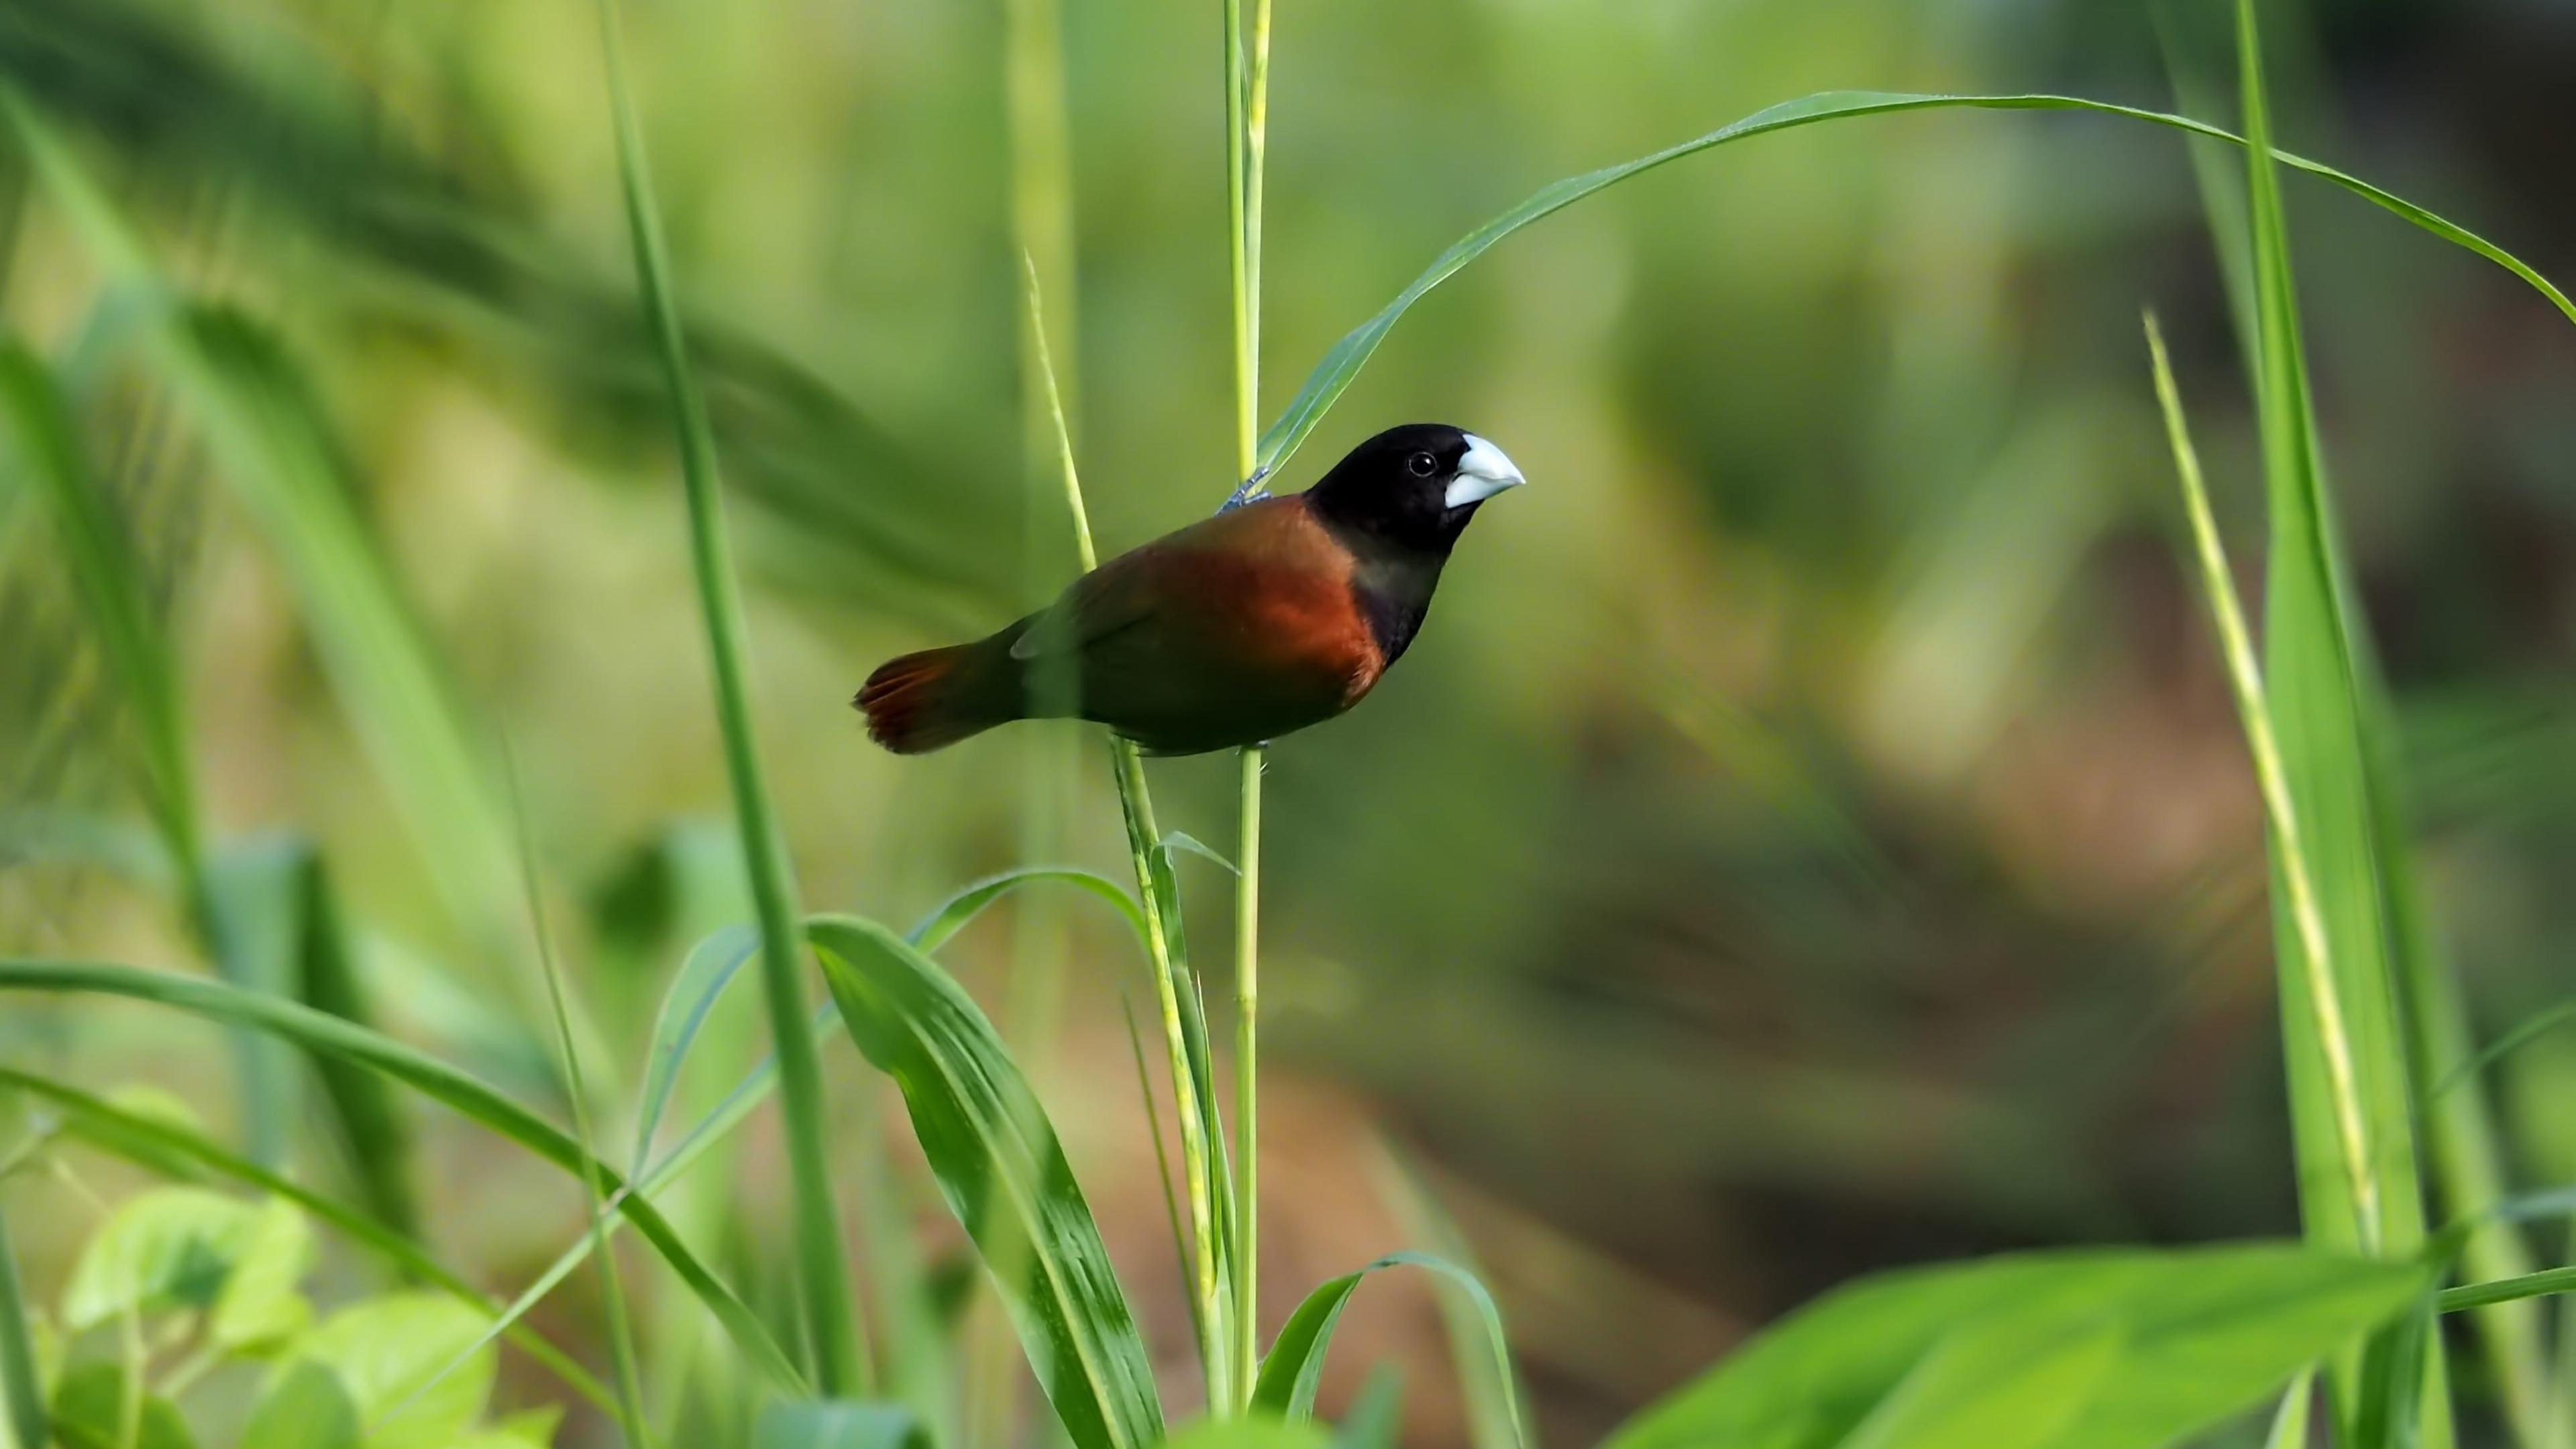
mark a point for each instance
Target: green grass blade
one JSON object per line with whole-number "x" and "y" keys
{"x": 2196, "y": 1337}
{"x": 1324, "y": 386}
{"x": 832, "y": 1318}
{"x": 151, "y": 1143}
{"x": 2315, "y": 693}
{"x": 100, "y": 556}
{"x": 374, "y": 1131}
{"x": 19, "y": 1387}
{"x": 2290, "y": 1421}
{"x": 1478, "y": 1348}
{"x": 2511, "y": 1290}
{"x": 1295, "y": 1365}
{"x": 432, "y": 1078}
{"x": 955, "y": 913}
{"x": 711, "y": 966}
{"x": 1004, "y": 1175}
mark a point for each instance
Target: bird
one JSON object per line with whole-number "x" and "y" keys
{"x": 1273, "y": 615}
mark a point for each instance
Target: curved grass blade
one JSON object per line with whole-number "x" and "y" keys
{"x": 432, "y": 1078}
{"x": 1004, "y": 1175}
{"x": 374, "y": 1131}
{"x": 953, "y": 914}
{"x": 146, "y": 1141}
{"x": 711, "y": 966}
{"x": 19, "y": 1387}
{"x": 1324, "y": 386}
{"x": 1295, "y": 1364}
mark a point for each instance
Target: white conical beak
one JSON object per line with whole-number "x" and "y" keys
{"x": 1483, "y": 473}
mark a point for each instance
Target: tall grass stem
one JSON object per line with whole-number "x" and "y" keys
{"x": 840, "y": 1365}
{"x": 1247, "y": 147}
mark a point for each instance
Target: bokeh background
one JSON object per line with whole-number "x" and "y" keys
{"x": 1812, "y": 833}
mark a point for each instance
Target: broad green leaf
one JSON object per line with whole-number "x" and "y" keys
{"x": 469, "y": 1096}
{"x": 1295, "y": 1363}
{"x": 163, "y": 1248}
{"x": 2186, "y": 1340}
{"x": 837, "y": 1424}
{"x": 711, "y": 967}
{"x": 90, "y": 1407}
{"x": 22, "y": 1385}
{"x": 385, "y": 1352}
{"x": 1997, "y": 1383}
{"x": 1343, "y": 362}
{"x": 1004, "y": 1174}
{"x": 953, "y": 914}
{"x": 154, "y": 1141}
{"x": 260, "y": 1306}
{"x": 306, "y": 1408}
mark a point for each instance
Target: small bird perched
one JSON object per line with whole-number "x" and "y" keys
{"x": 1269, "y": 617}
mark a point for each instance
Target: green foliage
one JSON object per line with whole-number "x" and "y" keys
{"x": 160, "y": 1141}
{"x": 2104, "y": 1350}
{"x": 433, "y": 1078}
{"x": 306, "y": 1408}
{"x": 1248, "y": 1433}
{"x": 393, "y": 1355}
{"x": 96, "y": 1407}
{"x": 1004, "y": 1176}
{"x": 187, "y": 1249}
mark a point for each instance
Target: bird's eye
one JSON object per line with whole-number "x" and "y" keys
{"x": 1422, "y": 465}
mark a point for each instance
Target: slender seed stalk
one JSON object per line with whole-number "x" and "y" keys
{"x": 1144, "y": 844}
{"x": 2246, "y": 678}
{"x": 1247, "y": 143}
{"x": 840, "y": 1366}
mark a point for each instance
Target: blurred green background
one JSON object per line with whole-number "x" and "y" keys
{"x": 1812, "y": 833}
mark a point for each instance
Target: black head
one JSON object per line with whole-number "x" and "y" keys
{"x": 1415, "y": 486}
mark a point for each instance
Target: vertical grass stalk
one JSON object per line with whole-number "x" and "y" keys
{"x": 840, "y": 1366}
{"x": 1247, "y": 142}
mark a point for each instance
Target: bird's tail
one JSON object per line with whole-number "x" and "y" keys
{"x": 917, "y": 703}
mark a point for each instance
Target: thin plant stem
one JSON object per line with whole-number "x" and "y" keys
{"x": 1247, "y": 144}
{"x": 18, "y": 1384}
{"x": 621, "y": 1336}
{"x": 1247, "y": 937}
{"x": 2246, "y": 677}
{"x": 1136, "y": 812}
{"x": 840, "y": 1361}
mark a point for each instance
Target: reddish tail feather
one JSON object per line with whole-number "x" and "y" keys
{"x": 916, "y": 703}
